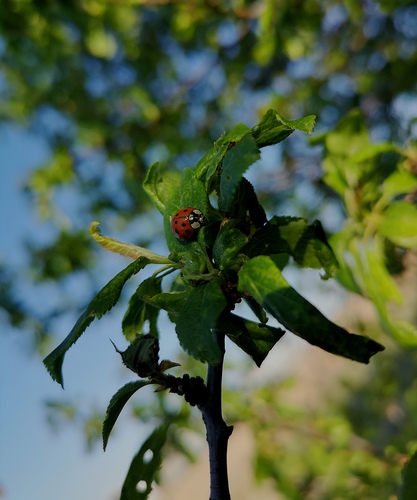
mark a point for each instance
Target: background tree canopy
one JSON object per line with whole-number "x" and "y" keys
{"x": 111, "y": 87}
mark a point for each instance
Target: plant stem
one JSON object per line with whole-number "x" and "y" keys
{"x": 218, "y": 432}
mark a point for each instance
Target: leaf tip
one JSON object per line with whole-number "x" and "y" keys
{"x": 94, "y": 228}
{"x": 311, "y": 124}
{"x": 115, "y": 347}
{"x": 53, "y": 371}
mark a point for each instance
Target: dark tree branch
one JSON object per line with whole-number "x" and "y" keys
{"x": 218, "y": 432}
{"x": 142, "y": 358}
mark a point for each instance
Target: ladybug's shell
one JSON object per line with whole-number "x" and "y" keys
{"x": 186, "y": 222}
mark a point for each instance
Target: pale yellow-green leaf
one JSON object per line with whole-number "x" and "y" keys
{"x": 126, "y": 249}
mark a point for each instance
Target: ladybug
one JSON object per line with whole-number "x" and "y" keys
{"x": 186, "y": 222}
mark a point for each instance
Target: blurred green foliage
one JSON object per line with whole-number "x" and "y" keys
{"x": 113, "y": 86}
{"x": 351, "y": 443}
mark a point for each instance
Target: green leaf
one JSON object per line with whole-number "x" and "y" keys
{"x": 306, "y": 243}
{"x": 350, "y": 136}
{"x": 346, "y": 274}
{"x": 190, "y": 193}
{"x": 206, "y": 168}
{"x": 170, "y": 301}
{"x": 142, "y": 472}
{"x": 160, "y": 185}
{"x": 371, "y": 151}
{"x": 399, "y": 224}
{"x": 399, "y": 182}
{"x": 253, "y": 338}
{"x": 198, "y": 316}
{"x": 334, "y": 175}
{"x": 209, "y": 163}
{"x": 365, "y": 273}
{"x": 352, "y": 165}
{"x": 227, "y": 246}
{"x": 194, "y": 262}
{"x": 101, "y": 43}
{"x": 408, "y": 489}
{"x": 274, "y": 128}
{"x": 263, "y": 280}
{"x": 238, "y": 133}
{"x": 370, "y": 261}
{"x": 140, "y": 310}
{"x": 376, "y": 283}
{"x": 403, "y": 332}
{"x": 106, "y": 298}
{"x": 237, "y": 160}
{"x": 370, "y": 272}
{"x": 246, "y": 202}
{"x": 258, "y": 310}
{"x": 117, "y": 404}
{"x": 247, "y": 199}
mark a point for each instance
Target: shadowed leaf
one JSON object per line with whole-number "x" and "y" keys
{"x": 143, "y": 471}
{"x": 106, "y": 298}
{"x": 117, "y": 404}
{"x": 255, "y": 339}
{"x": 263, "y": 280}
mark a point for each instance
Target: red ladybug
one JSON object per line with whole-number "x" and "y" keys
{"x": 186, "y": 222}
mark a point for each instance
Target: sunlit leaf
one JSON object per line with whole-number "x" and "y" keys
{"x": 101, "y": 43}
{"x": 274, "y": 128}
{"x": 126, "y": 249}
{"x": 399, "y": 224}
{"x": 306, "y": 243}
{"x": 365, "y": 273}
{"x": 399, "y": 182}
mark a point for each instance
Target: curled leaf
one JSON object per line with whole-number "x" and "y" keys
{"x": 126, "y": 249}
{"x": 142, "y": 355}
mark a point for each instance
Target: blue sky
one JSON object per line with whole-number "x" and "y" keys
{"x": 35, "y": 460}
